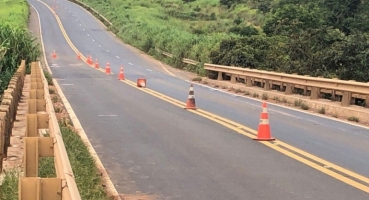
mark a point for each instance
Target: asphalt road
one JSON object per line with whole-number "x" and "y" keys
{"x": 156, "y": 148}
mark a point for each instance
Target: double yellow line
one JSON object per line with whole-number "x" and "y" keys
{"x": 356, "y": 180}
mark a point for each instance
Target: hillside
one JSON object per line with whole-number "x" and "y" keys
{"x": 318, "y": 38}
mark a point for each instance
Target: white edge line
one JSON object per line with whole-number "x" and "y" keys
{"x": 282, "y": 106}
{"x": 41, "y": 39}
{"x": 77, "y": 125}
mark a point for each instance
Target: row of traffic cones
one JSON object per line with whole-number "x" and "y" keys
{"x": 264, "y": 133}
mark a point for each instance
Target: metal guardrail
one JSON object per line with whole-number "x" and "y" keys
{"x": 41, "y": 115}
{"x": 312, "y": 85}
{"x": 316, "y": 85}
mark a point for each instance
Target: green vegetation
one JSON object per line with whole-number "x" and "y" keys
{"x": 16, "y": 43}
{"x": 9, "y": 186}
{"x": 319, "y": 38}
{"x": 46, "y": 167}
{"x": 83, "y": 165}
{"x": 14, "y": 12}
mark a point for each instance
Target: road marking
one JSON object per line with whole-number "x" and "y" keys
{"x": 93, "y": 40}
{"x": 249, "y": 132}
{"x": 88, "y": 34}
{"x": 107, "y": 51}
{"x": 80, "y": 24}
{"x": 149, "y": 70}
{"x": 170, "y": 73}
{"x": 69, "y": 11}
{"x": 83, "y": 29}
{"x": 130, "y": 63}
{"x": 117, "y": 57}
{"x": 99, "y": 45}
{"x": 108, "y": 115}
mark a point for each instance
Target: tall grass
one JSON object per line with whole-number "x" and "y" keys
{"x": 9, "y": 185}
{"x": 187, "y": 30}
{"x": 17, "y": 44}
{"x": 14, "y": 12}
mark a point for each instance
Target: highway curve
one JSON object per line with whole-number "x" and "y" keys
{"x": 154, "y": 147}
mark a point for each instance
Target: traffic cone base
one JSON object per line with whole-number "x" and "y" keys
{"x": 54, "y": 54}
{"x": 191, "y": 104}
{"x": 141, "y": 82}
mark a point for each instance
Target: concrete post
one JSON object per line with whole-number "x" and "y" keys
{"x": 314, "y": 93}
{"x": 289, "y": 88}
{"x": 346, "y": 99}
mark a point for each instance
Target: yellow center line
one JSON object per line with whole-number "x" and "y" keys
{"x": 249, "y": 132}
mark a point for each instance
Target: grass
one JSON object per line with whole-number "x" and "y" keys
{"x": 83, "y": 165}
{"x": 14, "y": 12}
{"x": 9, "y": 186}
{"x": 46, "y": 167}
{"x": 187, "y": 30}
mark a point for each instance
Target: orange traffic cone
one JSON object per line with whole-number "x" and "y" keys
{"x": 54, "y": 54}
{"x": 91, "y": 61}
{"x": 78, "y": 56}
{"x": 107, "y": 69}
{"x": 141, "y": 82}
{"x": 96, "y": 64}
{"x": 191, "y": 103}
{"x": 88, "y": 60}
{"x": 121, "y": 74}
{"x": 264, "y": 127}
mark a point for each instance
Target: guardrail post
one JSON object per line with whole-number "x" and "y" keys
{"x": 36, "y": 105}
{"x": 35, "y": 188}
{"x": 314, "y": 93}
{"x": 220, "y": 76}
{"x": 35, "y": 122}
{"x": 289, "y": 88}
{"x": 248, "y": 82}
{"x": 346, "y": 98}
{"x": 35, "y": 147}
{"x": 233, "y": 78}
{"x": 367, "y": 101}
{"x": 267, "y": 84}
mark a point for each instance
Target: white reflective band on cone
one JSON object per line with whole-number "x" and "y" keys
{"x": 264, "y": 121}
{"x": 191, "y": 96}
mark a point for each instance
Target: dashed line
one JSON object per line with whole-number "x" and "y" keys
{"x": 130, "y": 63}
{"x": 80, "y": 24}
{"x": 107, "y": 50}
{"x": 88, "y": 34}
{"x": 83, "y": 29}
{"x": 99, "y": 45}
{"x": 69, "y": 11}
{"x": 93, "y": 40}
{"x": 117, "y": 57}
